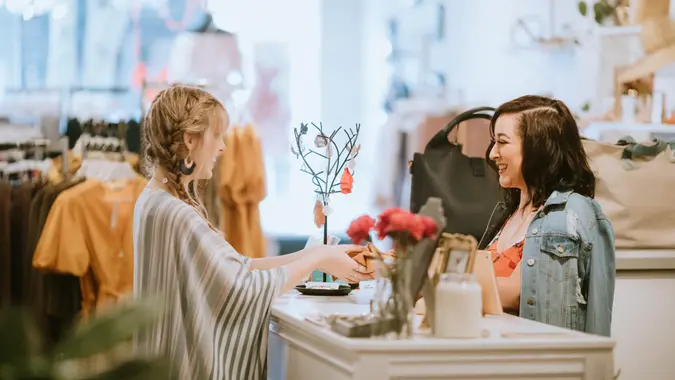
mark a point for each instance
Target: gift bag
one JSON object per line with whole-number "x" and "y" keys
{"x": 635, "y": 186}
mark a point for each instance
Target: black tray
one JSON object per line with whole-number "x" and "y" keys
{"x": 343, "y": 290}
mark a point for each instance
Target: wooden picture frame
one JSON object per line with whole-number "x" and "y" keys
{"x": 455, "y": 253}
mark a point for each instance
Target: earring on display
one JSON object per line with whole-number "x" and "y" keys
{"x": 187, "y": 166}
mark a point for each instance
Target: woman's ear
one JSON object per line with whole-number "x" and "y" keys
{"x": 189, "y": 141}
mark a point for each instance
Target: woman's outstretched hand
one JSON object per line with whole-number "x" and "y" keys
{"x": 335, "y": 261}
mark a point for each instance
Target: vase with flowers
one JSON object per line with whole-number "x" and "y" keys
{"x": 394, "y": 301}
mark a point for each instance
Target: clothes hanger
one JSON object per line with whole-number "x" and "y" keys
{"x": 106, "y": 168}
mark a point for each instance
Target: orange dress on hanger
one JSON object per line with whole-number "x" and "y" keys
{"x": 241, "y": 189}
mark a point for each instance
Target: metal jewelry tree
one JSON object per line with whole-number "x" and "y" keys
{"x": 333, "y": 169}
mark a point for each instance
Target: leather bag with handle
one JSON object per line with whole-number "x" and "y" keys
{"x": 468, "y": 188}
{"x": 635, "y": 186}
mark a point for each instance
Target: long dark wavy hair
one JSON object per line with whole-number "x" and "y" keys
{"x": 553, "y": 156}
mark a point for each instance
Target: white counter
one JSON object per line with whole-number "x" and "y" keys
{"x": 514, "y": 349}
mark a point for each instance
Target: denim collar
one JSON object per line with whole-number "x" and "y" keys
{"x": 557, "y": 198}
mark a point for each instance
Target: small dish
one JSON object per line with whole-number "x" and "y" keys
{"x": 343, "y": 290}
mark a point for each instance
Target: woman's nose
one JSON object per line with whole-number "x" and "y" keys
{"x": 494, "y": 155}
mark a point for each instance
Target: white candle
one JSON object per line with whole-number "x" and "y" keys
{"x": 458, "y": 312}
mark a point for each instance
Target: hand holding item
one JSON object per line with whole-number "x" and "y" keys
{"x": 335, "y": 262}
{"x": 367, "y": 255}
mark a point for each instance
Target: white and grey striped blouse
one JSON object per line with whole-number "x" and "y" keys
{"x": 216, "y": 322}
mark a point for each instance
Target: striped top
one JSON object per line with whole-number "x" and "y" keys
{"x": 217, "y": 317}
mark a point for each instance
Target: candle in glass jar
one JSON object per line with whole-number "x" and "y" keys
{"x": 458, "y": 311}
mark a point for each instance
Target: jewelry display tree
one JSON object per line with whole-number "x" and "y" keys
{"x": 329, "y": 163}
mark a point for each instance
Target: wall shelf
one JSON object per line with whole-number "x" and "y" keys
{"x": 608, "y": 131}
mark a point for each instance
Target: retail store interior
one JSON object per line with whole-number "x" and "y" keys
{"x": 78, "y": 78}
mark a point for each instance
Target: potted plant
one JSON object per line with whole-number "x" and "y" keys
{"x": 612, "y": 12}
{"x": 23, "y": 356}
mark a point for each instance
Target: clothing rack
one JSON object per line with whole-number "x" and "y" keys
{"x": 25, "y": 145}
{"x": 36, "y": 271}
{"x": 40, "y": 149}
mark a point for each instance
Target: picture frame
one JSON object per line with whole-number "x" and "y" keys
{"x": 455, "y": 253}
{"x": 461, "y": 253}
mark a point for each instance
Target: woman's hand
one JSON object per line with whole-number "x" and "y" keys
{"x": 335, "y": 261}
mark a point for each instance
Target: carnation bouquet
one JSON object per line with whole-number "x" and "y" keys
{"x": 406, "y": 229}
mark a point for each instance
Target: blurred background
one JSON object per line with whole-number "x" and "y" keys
{"x": 384, "y": 64}
{"x": 401, "y": 69}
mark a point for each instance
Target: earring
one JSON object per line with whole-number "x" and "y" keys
{"x": 187, "y": 166}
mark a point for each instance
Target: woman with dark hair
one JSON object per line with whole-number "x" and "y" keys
{"x": 551, "y": 245}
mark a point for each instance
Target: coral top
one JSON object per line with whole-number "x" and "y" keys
{"x": 507, "y": 261}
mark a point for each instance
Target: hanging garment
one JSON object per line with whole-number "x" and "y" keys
{"x": 19, "y": 219}
{"x": 5, "y": 246}
{"x": 217, "y": 317}
{"x": 88, "y": 234}
{"x": 56, "y": 173}
{"x": 55, "y": 299}
{"x": 242, "y": 188}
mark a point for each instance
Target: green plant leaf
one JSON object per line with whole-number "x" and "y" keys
{"x": 137, "y": 369}
{"x": 109, "y": 328}
{"x": 583, "y": 8}
{"x": 20, "y": 345}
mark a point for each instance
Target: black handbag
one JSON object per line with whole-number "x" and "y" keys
{"x": 468, "y": 188}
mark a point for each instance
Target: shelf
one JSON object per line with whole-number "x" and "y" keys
{"x": 599, "y": 127}
{"x": 645, "y": 259}
{"x": 618, "y": 31}
{"x": 647, "y": 65}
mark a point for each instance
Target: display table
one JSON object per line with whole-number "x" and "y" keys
{"x": 514, "y": 349}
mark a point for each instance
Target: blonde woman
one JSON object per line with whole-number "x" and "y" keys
{"x": 216, "y": 322}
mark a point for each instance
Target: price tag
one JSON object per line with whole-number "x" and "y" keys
{"x": 322, "y": 285}
{"x": 369, "y": 284}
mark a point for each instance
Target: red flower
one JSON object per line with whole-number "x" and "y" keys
{"x": 359, "y": 229}
{"x": 398, "y": 220}
{"x": 430, "y": 227}
{"x": 406, "y": 222}
{"x": 384, "y": 220}
{"x": 386, "y": 214}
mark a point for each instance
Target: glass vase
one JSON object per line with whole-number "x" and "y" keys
{"x": 404, "y": 310}
{"x": 393, "y": 303}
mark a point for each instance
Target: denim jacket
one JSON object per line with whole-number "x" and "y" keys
{"x": 568, "y": 264}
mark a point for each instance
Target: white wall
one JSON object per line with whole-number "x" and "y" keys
{"x": 480, "y": 57}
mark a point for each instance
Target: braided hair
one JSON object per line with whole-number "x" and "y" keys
{"x": 174, "y": 112}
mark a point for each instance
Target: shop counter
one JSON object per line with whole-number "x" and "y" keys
{"x": 511, "y": 348}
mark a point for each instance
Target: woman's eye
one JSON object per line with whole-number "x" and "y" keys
{"x": 501, "y": 142}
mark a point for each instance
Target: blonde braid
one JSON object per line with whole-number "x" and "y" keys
{"x": 174, "y": 112}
